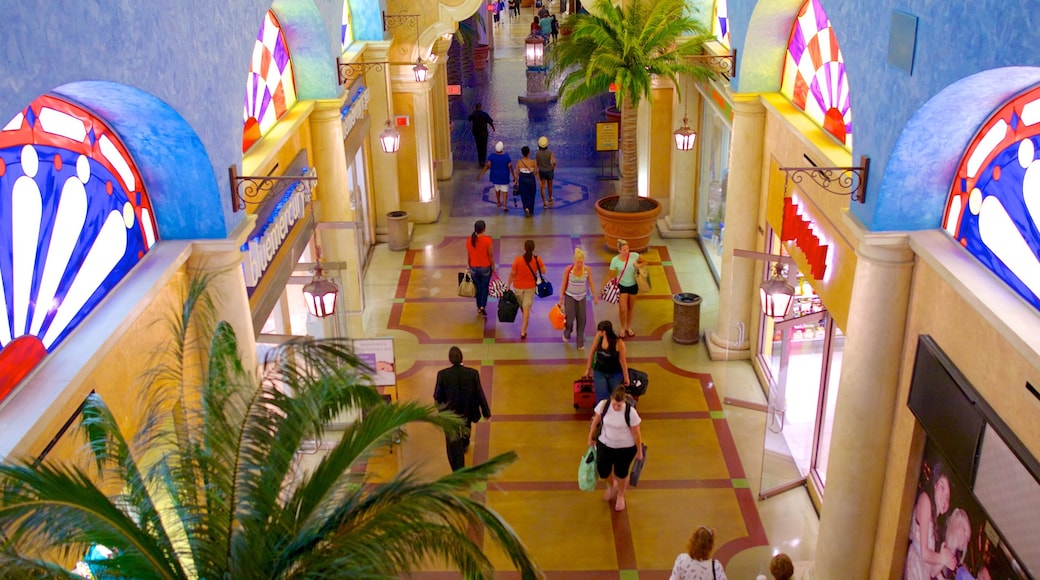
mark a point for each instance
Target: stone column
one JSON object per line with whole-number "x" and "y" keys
{"x": 221, "y": 261}
{"x": 442, "y": 159}
{"x": 685, "y": 168}
{"x": 865, "y": 408}
{"x": 737, "y": 288}
{"x": 338, "y": 244}
{"x": 386, "y": 197}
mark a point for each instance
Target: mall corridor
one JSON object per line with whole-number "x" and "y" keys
{"x": 705, "y": 459}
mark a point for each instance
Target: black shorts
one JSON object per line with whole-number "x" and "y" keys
{"x": 546, "y": 174}
{"x": 633, "y": 289}
{"x": 617, "y": 460}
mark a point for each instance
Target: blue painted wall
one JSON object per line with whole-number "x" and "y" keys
{"x": 955, "y": 40}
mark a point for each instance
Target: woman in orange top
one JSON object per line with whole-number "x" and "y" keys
{"x": 523, "y": 278}
{"x": 481, "y": 260}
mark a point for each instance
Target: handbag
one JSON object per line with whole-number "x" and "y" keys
{"x": 587, "y": 470}
{"x": 467, "y": 289}
{"x": 496, "y": 286}
{"x": 544, "y": 289}
{"x": 508, "y": 306}
{"x": 611, "y": 293}
{"x": 637, "y": 469}
{"x": 643, "y": 279}
{"x": 638, "y": 381}
{"x": 556, "y": 317}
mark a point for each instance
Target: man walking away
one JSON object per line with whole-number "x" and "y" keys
{"x": 458, "y": 390}
{"x": 481, "y": 121}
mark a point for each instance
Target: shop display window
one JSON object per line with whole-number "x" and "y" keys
{"x": 270, "y": 88}
{"x": 814, "y": 76}
{"x": 711, "y": 210}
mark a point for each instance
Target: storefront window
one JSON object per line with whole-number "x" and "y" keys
{"x": 823, "y": 447}
{"x": 711, "y": 211}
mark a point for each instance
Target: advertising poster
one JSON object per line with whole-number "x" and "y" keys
{"x": 378, "y": 353}
{"x": 950, "y": 535}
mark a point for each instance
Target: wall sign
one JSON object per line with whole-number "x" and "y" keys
{"x": 267, "y": 238}
{"x": 354, "y": 110}
{"x": 800, "y": 230}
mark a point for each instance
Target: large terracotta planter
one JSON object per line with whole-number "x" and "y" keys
{"x": 480, "y": 56}
{"x": 635, "y": 228}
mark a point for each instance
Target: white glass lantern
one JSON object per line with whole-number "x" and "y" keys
{"x": 321, "y": 296}
{"x": 421, "y": 72}
{"x": 684, "y": 136}
{"x": 534, "y": 51}
{"x": 390, "y": 139}
{"x": 776, "y": 295}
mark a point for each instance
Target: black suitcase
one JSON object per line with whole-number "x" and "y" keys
{"x": 508, "y": 306}
{"x": 637, "y": 382}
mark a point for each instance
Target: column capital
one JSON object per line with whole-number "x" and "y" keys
{"x": 748, "y": 104}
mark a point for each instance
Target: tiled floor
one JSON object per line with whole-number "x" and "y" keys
{"x": 705, "y": 459}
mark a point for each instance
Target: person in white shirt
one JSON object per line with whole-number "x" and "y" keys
{"x": 619, "y": 442}
{"x": 696, "y": 562}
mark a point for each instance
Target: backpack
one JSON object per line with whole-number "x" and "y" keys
{"x": 629, "y": 403}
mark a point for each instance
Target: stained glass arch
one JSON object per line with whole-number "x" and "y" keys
{"x": 720, "y": 22}
{"x": 76, "y": 218}
{"x": 346, "y": 30}
{"x": 814, "y": 77}
{"x": 270, "y": 87}
{"x": 994, "y": 205}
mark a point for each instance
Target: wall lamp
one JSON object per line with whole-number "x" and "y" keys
{"x": 254, "y": 189}
{"x": 837, "y": 180}
{"x": 776, "y": 294}
{"x": 412, "y": 21}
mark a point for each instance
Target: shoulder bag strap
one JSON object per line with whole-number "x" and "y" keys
{"x": 566, "y": 279}
{"x": 622, "y": 272}
{"x": 713, "y": 569}
{"x": 537, "y": 277}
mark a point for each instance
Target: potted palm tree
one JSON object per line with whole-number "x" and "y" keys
{"x": 627, "y": 46}
{"x": 210, "y": 486}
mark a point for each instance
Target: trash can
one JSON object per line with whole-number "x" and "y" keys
{"x": 686, "y": 318}
{"x": 397, "y": 230}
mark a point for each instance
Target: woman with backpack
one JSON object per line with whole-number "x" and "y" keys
{"x": 617, "y": 444}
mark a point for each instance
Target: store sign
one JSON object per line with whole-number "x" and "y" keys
{"x": 802, "y": 231}
{"x": 267, "y": 238}
{"x": 353, "y": 112}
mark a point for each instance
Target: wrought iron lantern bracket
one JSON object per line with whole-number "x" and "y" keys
{"x": 349, "y": 71}
{"x": 724, "y": 64}
{"x": 395, "y": 20}
{"x": 252, "y": 189}
{"x": 837, "y": 180}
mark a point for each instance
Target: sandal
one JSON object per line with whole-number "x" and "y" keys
{"x": 629, "y": 333}
{"x": 523, "y": 336}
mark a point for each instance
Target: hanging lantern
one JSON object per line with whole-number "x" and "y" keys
{"x": 684, "y": 136}
{"x": 321, "y": 295}
{"x": 421, "y": 72}
{"x": 776, "y": 295}
{"x": 390, "y": 139}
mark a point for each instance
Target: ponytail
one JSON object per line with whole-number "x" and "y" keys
{"x": 478, "y": 228}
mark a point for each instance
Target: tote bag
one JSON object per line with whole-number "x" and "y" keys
{"x": 643, "y": 279}
{"x": 587, "y": 470}
{"x": 556, "y": 317}
{"x": 496, "y": 287}
{"x": 611, "y": 293}
{"x": 467, "y": 289}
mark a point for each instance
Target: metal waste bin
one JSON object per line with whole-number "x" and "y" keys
{"x": 686, "y": 318}
{"x": 397, "y": 230}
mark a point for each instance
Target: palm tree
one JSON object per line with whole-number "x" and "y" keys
{"x": 209, "y": 486}
{"x": 627, "y": 46}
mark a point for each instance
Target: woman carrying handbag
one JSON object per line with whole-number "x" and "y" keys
{"x": 481, "y": 262}
{"x": 522, "y": 278}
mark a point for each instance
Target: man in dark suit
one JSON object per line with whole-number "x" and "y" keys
{"x": 458, "y": 390}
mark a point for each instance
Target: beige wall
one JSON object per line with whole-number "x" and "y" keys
{"x": 985, "y": 330}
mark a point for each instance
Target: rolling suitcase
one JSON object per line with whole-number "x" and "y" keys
{"x": 584, "y": 394}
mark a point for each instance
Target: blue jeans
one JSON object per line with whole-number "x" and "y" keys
{"x": 606, "y": 384}
{"x": 481, "y": 279}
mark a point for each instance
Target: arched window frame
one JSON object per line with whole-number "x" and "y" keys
{"x": 270, "y": 86}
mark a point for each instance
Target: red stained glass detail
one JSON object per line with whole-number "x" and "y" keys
{"x": 801, "y": 91}
{"x": 108, "y": 187}
{"x": 835, "y": 55}
{"x": 834, "y": 123}
{"x": 278, "y": 100}
{"x": 813, "y": 48}
{"x": 996, "y": 173}
{"x": 17, "y": 359}
{"x": 3, "y": 168}
{"x": 250, "y": 134}
{"x": 57, "y": 162}
{"x": 265, "y": 63}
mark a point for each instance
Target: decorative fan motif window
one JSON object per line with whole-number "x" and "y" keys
{"x": 74, "y": 219}
{"x": 994, "y": 204}
{"x": 270, "y": 90}
{"x": 814, "y": 73}
{"x": 720, "y": 23}
{"x": 346, "y": 32}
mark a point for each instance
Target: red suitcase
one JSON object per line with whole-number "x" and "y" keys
{"x": 584, "y": 394}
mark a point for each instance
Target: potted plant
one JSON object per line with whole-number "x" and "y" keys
{"x": 627, "y": 46}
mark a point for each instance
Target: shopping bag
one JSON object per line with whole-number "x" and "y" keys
{"x": 467, "y": 289}
{"x": 508, "y": 306}
{"x": 643, "y": 279}
{"x": 611, "y": 293}
{"x": 637, "y": 469}
{"x": 557, "y": 317}
{"x": 496, "y": 287}
{"x": 587, "y": 470}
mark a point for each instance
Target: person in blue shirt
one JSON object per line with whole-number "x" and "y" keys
{"x": 501, "y": 167}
